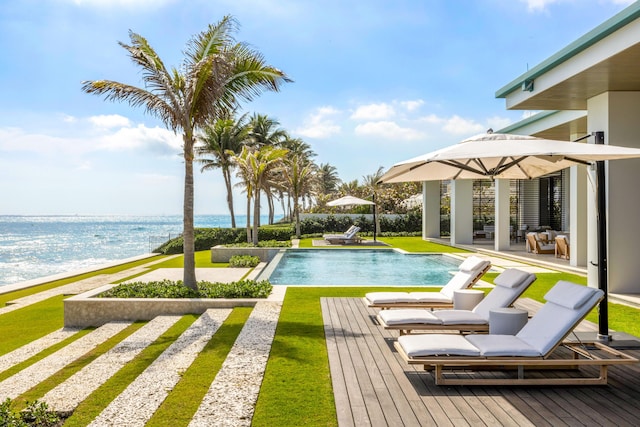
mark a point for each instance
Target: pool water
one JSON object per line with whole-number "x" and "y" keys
{"x": 362, "y": 267}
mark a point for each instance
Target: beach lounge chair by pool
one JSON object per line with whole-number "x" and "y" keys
{"x": 469, "y": 272}
{"x": 509, "y": 285}
{"x": 349, "y": 237}
{"x": 536, "y": 346}
{"x": 349, "y": 230}
{"x": 562, "y": 247}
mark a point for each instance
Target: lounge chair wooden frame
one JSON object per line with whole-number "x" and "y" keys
{"x": 426, "y": 304}
{"x": 562, "y": 247}
{"x": 406, "y": 328}
{"x": 442, "y": 363}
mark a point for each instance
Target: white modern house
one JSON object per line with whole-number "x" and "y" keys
{"x": 591, "y": 85}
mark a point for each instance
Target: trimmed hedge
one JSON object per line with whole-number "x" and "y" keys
{"x": 175, "y": 289}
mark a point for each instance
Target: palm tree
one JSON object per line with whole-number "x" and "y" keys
{"x": 223, "y": 139}
{"x": 266, "y": 131}
{"x": 328, "y": 179}
{"x": 216, "y": 74}
{"x": 299, "y": 177}
{"x": 256, "y": 168}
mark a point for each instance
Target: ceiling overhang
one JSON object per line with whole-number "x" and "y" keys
{"x": 605, "y": 59}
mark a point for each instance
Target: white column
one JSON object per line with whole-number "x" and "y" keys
{"x": 430, "y": 209}
{"x": 462, "y": 212}
{"x": 502, "y": 240}
{"x": 615, "y": 113}
{"x": 578, "y": 215}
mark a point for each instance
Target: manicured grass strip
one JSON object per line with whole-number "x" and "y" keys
{"x": 91, "y": 407}
{"x": 203, "y": 260}
{"x": 416, "y": 244}
{"x": 183, "y": 401}
{"x": 296, "y": 389}
{"x": 54, "y": 284}
{"x": 34, "y": 321}
{"x": 44, "y": 353}
{"x": 59, "y": 377}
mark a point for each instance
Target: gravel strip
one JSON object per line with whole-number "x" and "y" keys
{"x": 38, "y": 372}
{"x": 137, "y": 403}
{"x": 232, "y": 396}
{"x": 23, "y": 353}
{"x": 66, "y": 396}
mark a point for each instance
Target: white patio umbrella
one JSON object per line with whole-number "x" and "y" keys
{"x": 353, "y": 201}
{"x": 494, "y": 155}
{"x": 349, "y": 201}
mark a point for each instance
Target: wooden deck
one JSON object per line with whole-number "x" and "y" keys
{"x": 374, "y": 386}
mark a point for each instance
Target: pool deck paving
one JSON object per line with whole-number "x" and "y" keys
{"x": 372, "y": 385}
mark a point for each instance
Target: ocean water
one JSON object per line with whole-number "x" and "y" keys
{"x": 38, "y": 246}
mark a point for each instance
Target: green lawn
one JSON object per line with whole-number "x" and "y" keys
{"x": 297, "y": 386}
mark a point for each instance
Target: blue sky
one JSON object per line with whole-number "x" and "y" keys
{"x": 375, "y": 82}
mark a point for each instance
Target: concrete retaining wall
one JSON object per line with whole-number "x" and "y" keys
{"x": 85, "y": 310}
{"x": 224, "y": 254}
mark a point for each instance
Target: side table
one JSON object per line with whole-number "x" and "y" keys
{"x": 507, "y": 321}
{"x": 466, "y": 299}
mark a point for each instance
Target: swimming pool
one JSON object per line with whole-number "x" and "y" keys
{"x": 360, "y": 267}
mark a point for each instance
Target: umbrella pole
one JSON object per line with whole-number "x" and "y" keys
{"x": 374, "y": 217}
{"x": 601, "y": 200}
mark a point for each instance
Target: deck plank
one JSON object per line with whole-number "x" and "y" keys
{"x": 374, "y": 386}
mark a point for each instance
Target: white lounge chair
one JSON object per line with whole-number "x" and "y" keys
{"x": 469, "y": 272}
{"x": 567, "y": 304}
{"x": 348, "y": 237}
{"x": 349, "y": 230}
{"x": 509, "y": 285}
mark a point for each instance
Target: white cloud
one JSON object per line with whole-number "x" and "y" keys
{"x": 412, "y": 105}
{"x": 433, "y": 119}
{"x": 156, "y": 139}
{"x": 387, "y": 130}
{"x": 456, "y": 125}
{"x": 373, "y": 112}
{"x": 541, "y": 5}
{"x": 110, "y": 121}
{"x": 320, "y": 124}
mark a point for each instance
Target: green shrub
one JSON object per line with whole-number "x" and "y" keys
{"x": 262, "y": 244}
{"x": 243, "y": 261}
{"x": 175, "y": 289}
{"x": 206, "y": 238}
{"x": 35, "y": 414}
{"x": 240, "y": 289}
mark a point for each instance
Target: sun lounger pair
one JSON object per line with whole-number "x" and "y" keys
{"x": 469, "y": 272}
{"x": 536, "y": 346}
{"x": 349, "y": 236}
{"x": 509, "y": 285}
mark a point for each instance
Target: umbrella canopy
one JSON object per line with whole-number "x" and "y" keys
{"x": 496, "y": 155}
{"x": 505, "y": 156}
{"x": 349, "y": 201}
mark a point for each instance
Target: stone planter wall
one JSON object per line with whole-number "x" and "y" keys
{"x": 224, "y": 254}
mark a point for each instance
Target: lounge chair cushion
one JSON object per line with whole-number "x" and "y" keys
{"x": 437, "y": 345}
{"x": 430, "y": 297}
{"x": 473, "y": 263}
{"x": 511, "y": 278}
{"x": 569, "y": 295}
{"x": 409, "y": 316}
{"x": 502, "y": 345}
{"x": 389, "y": 297}
{"x": 460, "y": 317}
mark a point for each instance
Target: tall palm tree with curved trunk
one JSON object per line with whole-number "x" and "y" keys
{"x": 257, "y": 167}
{"x": 299, "y": 177}
{"x": 266, "y": 131}
{"x": 216, "y": 74}
{"x": 220, "y": 141}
